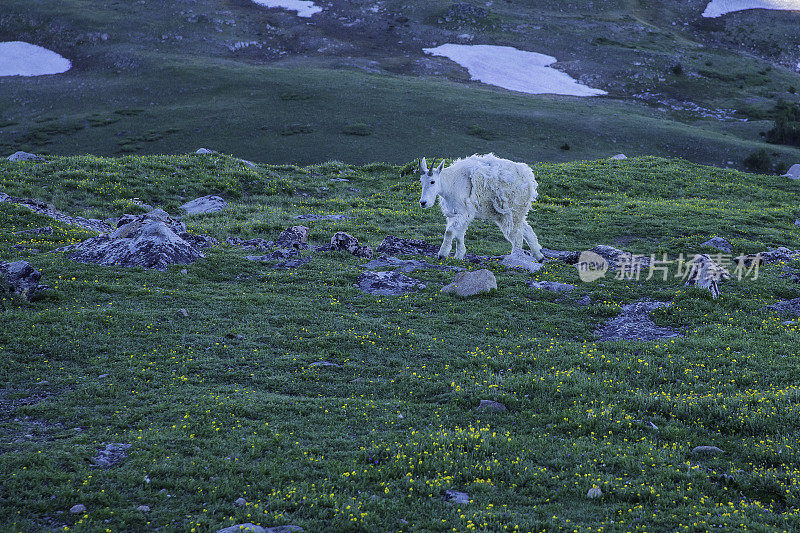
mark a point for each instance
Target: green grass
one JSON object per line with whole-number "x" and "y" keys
{"x": 223, "y": 404}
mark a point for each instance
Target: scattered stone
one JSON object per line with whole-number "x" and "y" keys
{"x": 205, "y": 204}
{"x": 261, "y": 245}
{"x": 404, "y": 265}
{"x": 184, "y": 271}
{"x": 392, "y": 245}
{"x": 280, "y": 253}
{"x": 520, "y": 259}
{"x": 618, "y": 157}
{"x": 472, "y": 283}
{"x": 24, "y": 156}
{"x": 562, "y": 255}
{"x": 103, "y": 376}
{"x": 240, "y": 502}
{"x": 143, "y": 508}
{"x": 719, "y": 243}
{"x": 387, "y": 283}
{"x": 23, "y": 279}
{"x": 42, "y": 383}
{"x": 345, "y": 242}
{"x": 584, "y": 301}
{"x": 780, "y": 254}
{"x": 788, "y": 307}
{"x": 553, "y": 286}
{"x": 491, "y": 405}
{"x": 294, "y": 237}
{"x": 183, "y": 312}
{"x": 634, "y": 323}
{"x": 793, "y": 172}
{"x": 454, "y": 496}
{"x": 706, "y": 450}
{"x": 203, "y": 151}
{"x": 77, "y": 509}
{"x": 704, "y": 273}
{"x": 152, "y": 241}
{"x": 242, "y": 528}
{"x": 322, "y": 217}
{"x": 325, "y": 363}
{"x": 619, "y": 259}
{"x": 113, "y": 453}
{"x": 46, "y": 230}
{"x": 594, "y": 492}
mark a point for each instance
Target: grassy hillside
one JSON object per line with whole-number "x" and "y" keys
{"x": 224, "y": 404}
{"x": 353, "y": 84}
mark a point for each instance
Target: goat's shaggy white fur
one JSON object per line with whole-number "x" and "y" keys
{"x": 485, "y": 187}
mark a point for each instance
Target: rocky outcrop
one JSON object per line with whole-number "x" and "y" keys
{"x": 24, "y": 156}
{"x": 48, "y": 210}
{"x": 719, "y": 243}
{"x": 392, "y": 245}
{"x": 388, "y": 283}
{"x": 520, "y": 259}
{"x": 345, "y": 242}
{"x": 205, "y": 204}
{"x": 472, "y": 283}
{"x": 618, "y": 157}
{"x": 704, "y": 273}
{"x": 294, "y": 237}
{"x": 152, "y": 241}
{"x": 793, "y": 172}
{"x": 22, "y": 279}
{"x": 261, "y": 245}
{"x": 634, "y": 323}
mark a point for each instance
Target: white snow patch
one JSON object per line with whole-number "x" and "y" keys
{"x": 24, "y": 59}
{"x": 304, "y": 8}
{"x": 513, "y": 69}
{"x": 716, "y": 8}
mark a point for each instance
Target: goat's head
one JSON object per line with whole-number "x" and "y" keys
{"x": 429, "y": 177}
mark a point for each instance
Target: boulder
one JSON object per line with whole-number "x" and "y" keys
{"x": 345, "y": 242}
{"x": 110, "y": 455}
{"x": 619, "y": 258}
{"x": 719, "y": 243}
{"x": 472, "y": 283}
{"x": 152, "y": 241}
{"x": 520, "y": 259}
{"x": 22, "y": 278}
{"x": 454, "y": 496}
{"x": 77, "y": 509}
{"x": 594, "y": 492}
{"x": 294, "y": 237}
{"x": 704, "y": 273}
{"x": 24, "y": 156}
{"x": 392, "y": 245}
{"x": 205, "y": 204}
{"x": 789, "y": 307}
{"x": 634, "y": 323}
{"x": 706, "y": 450}
{"x": 491, "y": 405}
{"x": 388, "y": 283}
{"x": 562, "y": 255}
{"x": 793, "y": 172}
{"x": 553, "y": 286}
{"x": 618, "y": 157}
{"x": 203, "y": 151}
{"x": 251, "y": 244}
{"x": 242, "y": 528}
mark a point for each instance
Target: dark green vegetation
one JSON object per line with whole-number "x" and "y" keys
{"x": 224, "y": 404}
{"x": 169, "y": 76}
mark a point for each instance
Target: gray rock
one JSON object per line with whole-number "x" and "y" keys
{"x": 779, "y": 254}
{"x": 392, "y": 245}
{"x": 719, "y": 243}
{"x": 183, "y": 312}
{"x": 248, "y": 164}
{"x": 251, "y": 244}
{"x": 293, "y": 263}
{"x": 562, "y": 255}
{"x": 454, "y": 496}
{"x": 621, "y": 259}
{"x": 49, "y": 210}
{"x": 472, "y": 283}
{"x": 23, "y": 279}
{"x": 594, "y": 492}
{"x": 242, "y": 528}
{"x": 787, "y": 307}
{"x": 203, "y": 151}
{"x": 388, "y": 283}
{"x": 325, "y": 363}
{"x": 205, "y": 204}
{"x": 240, "y": 502}
{"x": 322, "y": 217}
{"x": 520, "y": 259}
{"x": 345, "y": 242}
{"x": 112, "y": 454}
{"x": 793, "y": 172}
{"x": 143, "y": 508}
{"x": 285, "y": 529}
{"x": 553, "y": 286}
{"x": 294, "y": 237}
{"x": 491, "y": 405}
{"x": 24, "y": 156}
{"x": 77, "y": 509}
{"x": 704, "y": 273}
{"x": 706, "y": 450}
{"x": 152, "y": 241}
{"x": 618, "y": 157}
{"x": 634, "y": 323}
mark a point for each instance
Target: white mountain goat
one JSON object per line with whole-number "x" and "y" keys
{"x": 485, "y": 187}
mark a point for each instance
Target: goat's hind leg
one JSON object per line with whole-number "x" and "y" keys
{"x": 533, "y": 241}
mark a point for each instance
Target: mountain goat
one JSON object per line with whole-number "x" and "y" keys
{"x": 485, "y": 187}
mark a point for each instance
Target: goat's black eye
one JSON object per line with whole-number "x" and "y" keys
{"x": 433, "y": 182}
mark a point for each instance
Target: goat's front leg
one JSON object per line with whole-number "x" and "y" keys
{"x": 447, "y": 242}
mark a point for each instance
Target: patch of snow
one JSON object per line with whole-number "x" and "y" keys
{"x": 24, "y": 59}
{"x": 513, "y": 69}
{"x": 304, "y": 8}
{"x": 716, "y": 8}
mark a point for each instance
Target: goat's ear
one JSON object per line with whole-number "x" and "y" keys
{"x": 423, "y": 167}
{"x": 440, "y": 167}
